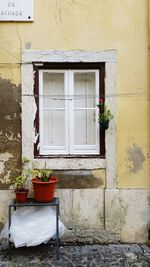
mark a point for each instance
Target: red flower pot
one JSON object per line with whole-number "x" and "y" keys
{"x": 21, "y": 195}
{"x": 44, "y": 191}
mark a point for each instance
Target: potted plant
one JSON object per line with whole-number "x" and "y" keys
{"x": 20, "y": 183}
{"x": 104, "y": 114}
{"x": 44, "y": 184}
{"x": 20, "y": 188}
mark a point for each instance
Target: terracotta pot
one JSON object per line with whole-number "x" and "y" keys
{"x": 21, "y": 195}
{"x": 44, "y": 191}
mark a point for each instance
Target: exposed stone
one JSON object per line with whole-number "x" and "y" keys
{"x": 1, "y": 226}
{"x": 112, "y": 210}
{"x": 134, "y": 215}
{"x": 82, "y": 208}
{"x": 10, "y": 125}
{"x": 28, "y": 45}
{"x": 90, "y": 236}
{"x": 136, "y": 157}
{"x": 5, "y": 198}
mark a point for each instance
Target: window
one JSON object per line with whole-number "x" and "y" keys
{"x": 67, "y": 113}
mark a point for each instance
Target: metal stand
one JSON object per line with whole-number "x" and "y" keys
{"x": 31, "y": 202}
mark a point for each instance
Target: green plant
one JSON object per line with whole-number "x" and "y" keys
{"x": 104, "y": 113}
{"x": 44, "y": 175}
{"x": 21, "y": 181}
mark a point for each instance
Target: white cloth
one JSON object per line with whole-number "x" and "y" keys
{"x": 31, "y": 226}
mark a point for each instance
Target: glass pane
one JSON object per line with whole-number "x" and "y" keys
{"x": 54, "y": 128}
{"x": 84, "y": 89}
{"x": 85, "y": 127}
{"x": 53, "y": 90}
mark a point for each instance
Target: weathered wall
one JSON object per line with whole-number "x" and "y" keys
{"x": 10, "y": 130}
{"x": 121, "y": 215}
{"x": 89, "y": 25}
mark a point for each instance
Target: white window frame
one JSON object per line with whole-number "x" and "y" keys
{"x": 29, "y": 109}
{"x": 51, "y": 150}
{"x": 69, "y": 147}
{"x": 85, "y": 149}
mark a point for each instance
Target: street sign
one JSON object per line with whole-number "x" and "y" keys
{"x": 16, "y": 10}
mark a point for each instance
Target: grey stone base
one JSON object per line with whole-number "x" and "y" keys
{"x": 90, "y": 237}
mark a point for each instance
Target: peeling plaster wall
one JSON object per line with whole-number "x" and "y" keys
{"x": 5, "y": 198}
{"x": 136, "y": 157}
{"x": 101, "y": 208}
{"x": 10, "y": 131}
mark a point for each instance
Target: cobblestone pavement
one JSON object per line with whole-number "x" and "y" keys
{"x": 122, "y": 255}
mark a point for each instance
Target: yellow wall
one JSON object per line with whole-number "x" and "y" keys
{"x": 97, "y": 25}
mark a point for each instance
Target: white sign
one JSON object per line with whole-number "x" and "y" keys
{"x": 16, "y": 10}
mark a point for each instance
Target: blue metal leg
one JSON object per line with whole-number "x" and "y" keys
{"x": 9, "y": 223}
{"x": 57, "y": 231}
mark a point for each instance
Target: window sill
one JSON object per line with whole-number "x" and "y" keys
{"x": 70, "y": 163}
{"x": 68, "y": 156}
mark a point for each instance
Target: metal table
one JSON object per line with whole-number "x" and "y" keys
{"x": 31, "y": 202}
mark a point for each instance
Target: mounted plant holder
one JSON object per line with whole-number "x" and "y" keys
{"x": 104, "y": 115}
{"x": 104, "y": 125}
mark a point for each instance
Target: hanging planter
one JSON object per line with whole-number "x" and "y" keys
{"x": 104, "y": 115}
{"x": 104, "y": 125}
{"x": 44, "y": 185}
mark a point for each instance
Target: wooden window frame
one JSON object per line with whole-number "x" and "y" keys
{"x": 63, "y": 66}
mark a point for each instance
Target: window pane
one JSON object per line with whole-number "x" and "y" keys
{"x": 53, "y": 90}
{"x": 53, "y": 128}
{"x": 84, "y": 89}
{"x": 85, "y": 127}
